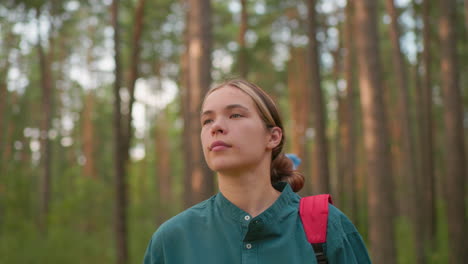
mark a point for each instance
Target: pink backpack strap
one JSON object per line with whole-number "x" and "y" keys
{"x": 314, "y": 215}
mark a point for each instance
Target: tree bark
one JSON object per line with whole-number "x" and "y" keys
{"x": 185, "y": 100}
{"x": 321, "y": 174}
{"x": 409, "y": 173}
{"x": 454, "y": 141}
{"x": 163, "y": 167}
{"x": 299, "y": 95}
{"x": 120, "y": 224}
{"x": 243, "y": 65}
{"x": 199, "y": 77}
{"x": 3, "y": 101}
{"x": 350, "y": 118}
{"x": 133, "y": 74}
{"x": 466, "y": 14}
{"x": 88, "y": 136}
{"x": 46, "y": 123}
{"x": 380, "y": 185}
{"x": 427, "y": 137}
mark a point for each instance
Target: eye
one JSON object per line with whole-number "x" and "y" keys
{"x": 236, "y": 115}
{"x": 206, "y": 121}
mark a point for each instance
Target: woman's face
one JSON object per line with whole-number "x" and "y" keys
{"x": 233, "y": 136}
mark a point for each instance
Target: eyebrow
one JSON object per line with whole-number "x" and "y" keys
{"x": 228, "y": 107}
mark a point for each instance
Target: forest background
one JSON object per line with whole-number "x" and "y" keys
{"x": 99, "y": 117}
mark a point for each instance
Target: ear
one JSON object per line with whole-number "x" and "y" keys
{"x": 274, "y": 138}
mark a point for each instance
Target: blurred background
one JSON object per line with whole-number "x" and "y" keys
{"x": 99, "y": 117}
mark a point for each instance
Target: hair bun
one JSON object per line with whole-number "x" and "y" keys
{"x": 282, "y": 171}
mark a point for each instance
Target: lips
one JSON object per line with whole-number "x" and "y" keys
{"x": 219, "y": 145}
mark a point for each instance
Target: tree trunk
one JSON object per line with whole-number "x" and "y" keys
{"x": 466, "y": 14}
{"x": 199, "y": 77}
{"x": 298, "y": 98}
{"x": 88, "y": 136}
{"x": 380, "y": 185}
{"x": 243, "y": 65}
{"x": 350, "y": 118}
{"x": 133, "y": 74}
{"x": 409, "y": 173}
{"x": 454, "y": 142}
{"x": 185, "y": 109}
{"x": 320, "y": 176}
{"x": 3, "y": 101}
{"x": 46, "y": 123}
{"x": 426, "y": 134}
{"x": 163, "y": 167}
{"x": 119, "y": 152}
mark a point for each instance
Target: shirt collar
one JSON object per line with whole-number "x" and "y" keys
{"x": 287, "y": 203}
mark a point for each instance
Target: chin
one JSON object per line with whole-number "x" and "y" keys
{"x": 224, "y": 165}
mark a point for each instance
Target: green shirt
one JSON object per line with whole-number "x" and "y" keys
{"x": 216, "y": 231}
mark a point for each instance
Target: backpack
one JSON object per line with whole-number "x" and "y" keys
{"x": 313, "y": 211}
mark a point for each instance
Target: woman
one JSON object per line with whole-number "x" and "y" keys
{"x": 254, "y": 218}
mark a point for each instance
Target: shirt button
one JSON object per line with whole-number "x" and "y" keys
{"x": 247, "y": 218}
{"x": 248, "y": 246}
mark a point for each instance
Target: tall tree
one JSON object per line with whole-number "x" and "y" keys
{"x": 134, "y": 72}
{"x": 4, "y": 69}
{"x": 409, "y": 174}
{"x": 320, "y": 175}
{"x": 349, "y": 125}
{"x": 163, "y": 166}
{"x": 454, "y": 133}
{"x": 299, "y": 95}
{"x": 46, "y": 124}
{"x": 119, "y": 151}
{"x": 426, "y": 131}
{"x": 89, "y": 136}
{"x": 122, "y": 122}
{"x": 466, "y": 14}
{"x": 198, "y": 175}
{"x": 243, "y": 65}
{"x": 380, "y": 185}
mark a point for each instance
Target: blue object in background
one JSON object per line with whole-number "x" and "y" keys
{"x": 295, "y": 159}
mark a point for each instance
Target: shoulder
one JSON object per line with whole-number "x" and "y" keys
{"x": 171, "y": 231}
{"x": 339, "y": 225}
{"x": 186, "y": 218}
{"x": 339, "y": 222}
{"x": 344, "y": 243}
{"x": 179, "y": 223}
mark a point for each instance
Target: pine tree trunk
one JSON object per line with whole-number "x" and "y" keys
{"x": 88, "y": 136}
{"x": 409, "y": 173}
{"x": 243, "y": 65}
{"x": 185, "y": 106}
{"x": 466, "y": 14}
{"x": 298, "y": 97}
{"x": 380, "y": 185}
{"x": 454, "y": 142}
{"x": 46, "y": 123}
{"x": 320, "y": 176}
{"x": 133, "y": 74}
{"x": 163, "y": 167}
{"x": 3, "y": 116}
{"x": 119, "y": 151}
{"x": 199, "y": 77}
{"x": 427, "y": 137}
{"x": 350, "y": 118}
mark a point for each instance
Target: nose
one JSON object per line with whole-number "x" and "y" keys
{"x": 218, "y": 127}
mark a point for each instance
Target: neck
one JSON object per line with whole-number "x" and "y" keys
{"x": 250, "y": 190}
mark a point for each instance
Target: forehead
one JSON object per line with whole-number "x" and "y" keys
{"x": 226, "y": 96}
